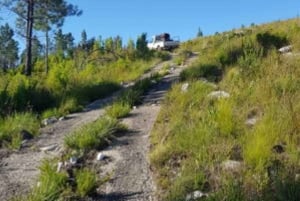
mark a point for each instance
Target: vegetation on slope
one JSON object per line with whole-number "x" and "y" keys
{"x": 243, "y": 147}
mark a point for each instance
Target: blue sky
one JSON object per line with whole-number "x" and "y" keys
{"x": 130, "y": 18}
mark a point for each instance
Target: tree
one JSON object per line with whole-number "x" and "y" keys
{"x": 83, "y": 41}
{"x": 40, "y": 15}
{"x": 141, "y": 46}
{"x": 199, "y": 33}
{"x": 64, "y": 43}
{"x": 8, "y": 47}
{"x": 51, "y": 13}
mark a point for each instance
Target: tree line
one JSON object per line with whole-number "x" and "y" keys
{"x": 44, "y": 16}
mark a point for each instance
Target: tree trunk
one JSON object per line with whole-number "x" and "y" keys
{"x": 29, "y": 26}
{"x": 47, "y": 52}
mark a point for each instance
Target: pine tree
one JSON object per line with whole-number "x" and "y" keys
{"x": 40, "y": 15}
{"x": 8, "y": 48}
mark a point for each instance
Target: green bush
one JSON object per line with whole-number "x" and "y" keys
{"x": 118, "y": 109}
{"x": 51, "y": 184}
{"x": 92, "y": 135}
{"x": 11, "y": 127}
{"x": 86, "y": 182}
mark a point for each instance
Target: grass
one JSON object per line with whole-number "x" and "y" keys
{"x": 11, "y": 127}
{"x": 118, "y": 110}
{"x": 92, "y": 135}
{"x": 86, "y": 182}
{"x": 51, "y": 184}
{"x": 194, "y": 135}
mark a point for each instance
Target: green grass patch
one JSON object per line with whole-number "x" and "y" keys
{"x": 118, "y": 109}
{"x": 11, "y": 127}
{"x": 92, "y": 135}
{"x": 86, "y": 182}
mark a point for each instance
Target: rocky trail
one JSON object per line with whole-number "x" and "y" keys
{"x": 129, "y": 167}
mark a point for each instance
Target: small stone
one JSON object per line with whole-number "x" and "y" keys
{"x": 231, "y": 165}
{"x": 153, "y": 81}
{"x": 61, "y": 118}
{"x": 134, "y": 107}
{"x": 251, "y": 121}
{"x": 218, "y": 94}
{"x": 285, "y": 49}
{"x": 185, "y": 87}
{"x": 49, "y": 121}
{"x": 195, "y": 195}
{"x": 100, "y": 156}
{"x": 49, "y": 148}
{"x": 297, "y": 177}
{"x": 73, "y": 160}
{"x": 59, "y": 166}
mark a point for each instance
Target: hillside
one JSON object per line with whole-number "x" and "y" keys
{"x": 230, "y": 129}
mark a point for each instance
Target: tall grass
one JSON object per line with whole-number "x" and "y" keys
{"x": 92, "y": 135}
{"x": 194, "y": 135}
{"x": 86, "y": 182}
{"x": 11, "y": 127}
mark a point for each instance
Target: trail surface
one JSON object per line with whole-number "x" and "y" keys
{"x": 132, "y": 178}
{"x": 129, "y": 166}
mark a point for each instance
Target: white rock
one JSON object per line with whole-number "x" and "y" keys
{"x": 49, "y": 148}
{"x": 219, "y": 94}
{"x": 195, "y": 195}
{"x": 100, "y": 156}
{"x": 73, "y": 160}
{"x": 251, "y": 121}
{"x": 61, "y": 118}
{"x": 285, "y": 49}
{"x": 49, "y": 121}
{"x": 134, "y": 107}
{"x": 231, "y": 165}
{"x": 153, "y": 81}
{"x": 185, "y": 87}
{"x": 59, "y": 166}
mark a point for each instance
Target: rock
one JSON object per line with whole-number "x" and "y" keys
{"x": 49, "y": 121}
{"x": 153, "y": 81}
{"x": 278, "y": 149}
{"x": 59, "y": 166}
{"x": 251, "y": 121}
{"x": 73, "y": 160}
{"x": 196, "y": 195}
{"x": 49, "y": 148}
{"x": 218, "y": 94}
{"x": 231, "y": 165}
{"x": 61, "y": 118}
{"x": 100, "y": 156}
{"x": 297, "y": 177}
{"x": 185, "y": 87}
{"x": 25, "y": 135}
{"x": 134, "y": 107}
{"x": 285, "y": 49}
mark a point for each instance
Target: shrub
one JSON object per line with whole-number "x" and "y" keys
{"x": 86, "y": 182}
{"x": 11, "y": 127}
{"x": 51, "y": 183}
{"x": 70, "y": 105}
{"x": 118, "y": 109}
{"x": 92, "y": 135}
{"x": 268, "y": 41}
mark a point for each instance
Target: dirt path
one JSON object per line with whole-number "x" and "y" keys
{"x": 131, "y": 179}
